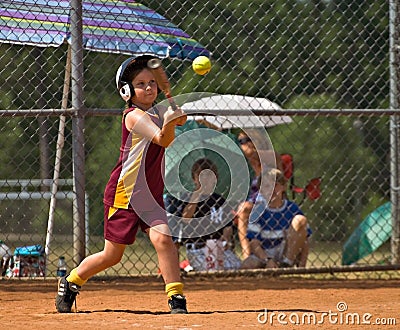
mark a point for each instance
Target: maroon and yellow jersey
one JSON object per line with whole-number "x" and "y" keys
{"x": 137, "y": 178}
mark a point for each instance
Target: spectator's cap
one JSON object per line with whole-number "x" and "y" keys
{"x": 274, "y": 175}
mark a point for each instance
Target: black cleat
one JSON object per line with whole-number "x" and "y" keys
{"x": 66, "y": 295}
{"x": 177, "y": 304}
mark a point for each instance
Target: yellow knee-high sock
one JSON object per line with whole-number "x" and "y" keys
{"x": 73, "y": 277}
{"x": 174, "y": 288}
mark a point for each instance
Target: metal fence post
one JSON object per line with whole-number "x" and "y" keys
{"x": 77, "y": 128}
{"x": 394, "y": 129}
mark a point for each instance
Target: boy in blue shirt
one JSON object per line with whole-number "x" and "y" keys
{"x": 278, "y": 231}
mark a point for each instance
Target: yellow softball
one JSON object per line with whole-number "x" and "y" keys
{"x": 201, "y": 65}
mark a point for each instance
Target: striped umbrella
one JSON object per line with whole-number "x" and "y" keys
{"x": 123, "y": 27}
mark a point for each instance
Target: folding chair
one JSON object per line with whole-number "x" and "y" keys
{"x": 313, "y": 188}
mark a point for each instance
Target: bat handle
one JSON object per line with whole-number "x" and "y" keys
{"x": 172, "y": 102}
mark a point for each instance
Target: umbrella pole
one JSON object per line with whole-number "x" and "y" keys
{"x": 60, "y": 145}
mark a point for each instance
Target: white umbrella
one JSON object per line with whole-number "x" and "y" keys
{"x": 236, "y": 103}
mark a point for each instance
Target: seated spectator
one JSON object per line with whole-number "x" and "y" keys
{"x": 258, "y": 160}
{"x": 277, "y": 231}
{"x": 203, "y": 202}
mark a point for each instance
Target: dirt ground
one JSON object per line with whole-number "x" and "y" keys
{"x": 214, "y": 303}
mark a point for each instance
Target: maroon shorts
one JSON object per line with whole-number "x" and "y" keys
{"x": 121, "y": 225}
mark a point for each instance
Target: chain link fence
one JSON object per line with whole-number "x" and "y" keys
{"x": 330, "y": 66}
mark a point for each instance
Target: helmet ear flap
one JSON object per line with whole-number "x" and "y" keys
{"x": 126, "y": 91}
{"x": 125, "y": 87}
